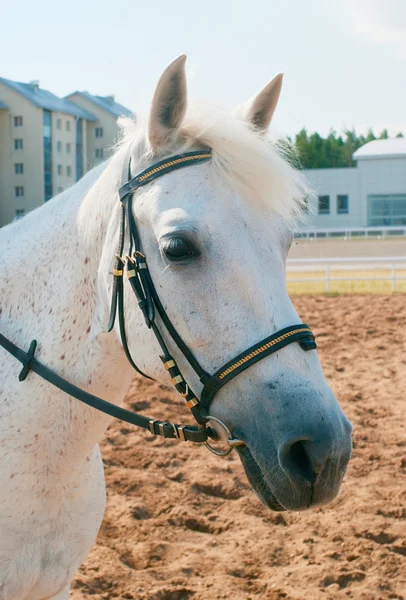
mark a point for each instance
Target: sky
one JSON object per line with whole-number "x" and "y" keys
{"x": 344, "y": 60}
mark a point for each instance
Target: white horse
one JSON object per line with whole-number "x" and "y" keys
{"x": 216, "y": 236}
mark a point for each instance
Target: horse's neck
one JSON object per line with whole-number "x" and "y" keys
{"x": 52, "y": 292}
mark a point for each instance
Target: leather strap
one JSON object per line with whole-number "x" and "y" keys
{"x": 162, "y": 428}
{"x": 118, "y": 266}
{"x": 295, "y": 333}
{"x": 161, "y": 168}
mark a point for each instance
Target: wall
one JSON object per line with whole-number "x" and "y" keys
{"x": 381, "y": 176}
{"x": 31, "y": 155}
{"x": 63, "y": 158}
{"x": 105, "y": 120}
{"x": 332, "y": 182}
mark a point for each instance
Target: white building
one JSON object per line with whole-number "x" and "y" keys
{"x": 371, "y": 194}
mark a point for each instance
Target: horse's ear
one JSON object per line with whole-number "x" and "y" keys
{"x": 168, "y": 105}
{"x": 260, "y": 110}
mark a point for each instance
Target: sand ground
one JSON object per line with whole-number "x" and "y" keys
{"x": 183, "y": 524}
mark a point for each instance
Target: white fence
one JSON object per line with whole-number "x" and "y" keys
{"x": 347, "y": 233}
{"x": 392, "y": 264}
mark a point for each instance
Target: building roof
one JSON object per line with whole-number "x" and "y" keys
{"x": 391, "y": 148}
{"x": 44, "y": 99}
{"x": 2, "y": 105}
{"x": 107, "y": 103}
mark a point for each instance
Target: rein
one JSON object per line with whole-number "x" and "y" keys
{"x": 134, "y": 265}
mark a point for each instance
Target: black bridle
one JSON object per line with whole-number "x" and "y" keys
{"x": 135, "y": 266}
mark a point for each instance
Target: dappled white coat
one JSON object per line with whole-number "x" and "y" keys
{"x": 55, "y": 270}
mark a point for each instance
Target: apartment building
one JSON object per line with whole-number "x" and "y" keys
{"x": 46, "y": 144}
{"x": 101, "y": 135}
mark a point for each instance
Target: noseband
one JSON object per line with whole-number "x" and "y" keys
{"x": 134, "y": 265}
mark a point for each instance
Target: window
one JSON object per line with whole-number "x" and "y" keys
{"x": 19, "y": 191}
{"x": 324, "y": 205}
{"x": 18, "y": 168}
{"x": 79, "y": 149}
{"x": 20, "y": 212}
{"x": 68, "y": 148}
{"x": 59, "y": 169}
{"x": 342, "y": 204}
{"x": 99, "y": 152}
{"x": 389, "y": 209}
{"x": 69, "y": 171}
{"x": 48, "y": 167}
{"x": 99, "y": 132}
{"x": 18, "y": 121}
{"x": 18, "y": 144}
{"x": 59, "y": 123}
{"x": 67, "y": 125}
{"x": 59, "y": 146}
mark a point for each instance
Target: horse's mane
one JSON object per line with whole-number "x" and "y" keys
{"x": 258, "y": 167}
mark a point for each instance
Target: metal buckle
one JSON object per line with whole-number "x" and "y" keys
{"x": 151, "y": 426}
{"x": 120, "y": 258}
{"x": 231, "y": 441}
{"x": 181, "y": 433}
{"x": 175, "y": 431}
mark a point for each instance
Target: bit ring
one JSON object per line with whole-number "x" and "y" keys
{"x": 231, "y": 441}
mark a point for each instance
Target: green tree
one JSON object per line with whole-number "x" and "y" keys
{"x": 333, "y": 151}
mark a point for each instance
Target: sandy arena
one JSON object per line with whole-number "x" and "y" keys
{"x": 341, "y": 248}
{"x": 182, "y": 524}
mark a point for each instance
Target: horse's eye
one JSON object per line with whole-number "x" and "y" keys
{"x": 178, "y": 249}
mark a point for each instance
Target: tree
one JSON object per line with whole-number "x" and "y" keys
{"x": 317, "y": 152}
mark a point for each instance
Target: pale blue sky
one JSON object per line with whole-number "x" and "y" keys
{"x": 344, "y": 60}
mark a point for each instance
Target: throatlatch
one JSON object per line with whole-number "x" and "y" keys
{"x": 134, "y": 265}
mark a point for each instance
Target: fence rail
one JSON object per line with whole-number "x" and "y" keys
{"x": 391, "y": 264}
{"x": 315, "y": 233}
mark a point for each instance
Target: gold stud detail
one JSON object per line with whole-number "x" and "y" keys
{"x": 171, "y": 163}
{"x": 248, "y": 357}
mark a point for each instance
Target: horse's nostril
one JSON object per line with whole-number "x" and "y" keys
{"x": 296, "y": 460}
{"x": 301, "y": 461}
